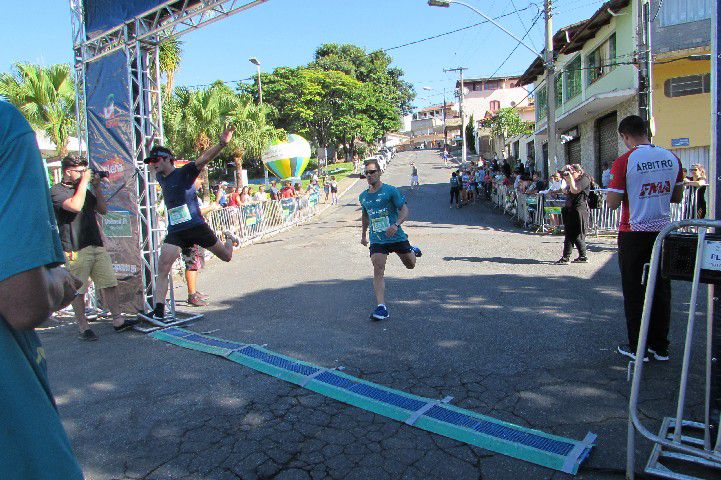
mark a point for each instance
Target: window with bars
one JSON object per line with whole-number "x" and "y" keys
{"x": 676, "y": 12}
{"x": 573, "y": 77}
{"x": 688, "y": 85}
{"x": 602, "y": 60}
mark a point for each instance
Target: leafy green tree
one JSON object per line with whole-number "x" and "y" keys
{"x": 374, "y": 67}
{"x": 507, "y": 123}
{"x": 470, "y": 129}
{"x": 193, "y": 119}
{"x": 46, "y": 96}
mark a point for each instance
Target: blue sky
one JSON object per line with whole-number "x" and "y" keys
{"x": 286, "y": 32}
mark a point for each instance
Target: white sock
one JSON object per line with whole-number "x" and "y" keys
{"x": 382, "y": 305}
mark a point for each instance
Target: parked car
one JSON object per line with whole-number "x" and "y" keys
{"x": 381, "y": 162}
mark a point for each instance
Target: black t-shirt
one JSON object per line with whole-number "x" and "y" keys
{"x": 77, "y": 230}
{"x": 181, "y": 198}
{"x": 579, "y": 201}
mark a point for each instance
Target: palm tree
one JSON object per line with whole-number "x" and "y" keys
{"x": 46, "y": 96}
{"x": 253, "y": 132}
{"x": 193, "y": 119}
{"x": 169, "y": 57}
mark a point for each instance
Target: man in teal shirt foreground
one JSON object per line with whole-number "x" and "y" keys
{"x": 33, "y": 443}
{"x": 384, "y": 210}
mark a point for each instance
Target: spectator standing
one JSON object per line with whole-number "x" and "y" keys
{"x": 221, "y": 197}
{"x": 334, "y": 190}
{"x": 33, "y": 442}
{"x": 326, "y": 188}
{"x": 244, "y": 196}
{"x": 605, "y": 175}
{"x": 645, "y": 195}
{"x": 273, "y": 190}
{"x": 76, "y": 201}
{"x": 260, "y": 196}
{"x": 699, "y": 181}
{"x": 575, "y": 213}
{"x": 233, "y": 197}
{"x": 287, "y": 191}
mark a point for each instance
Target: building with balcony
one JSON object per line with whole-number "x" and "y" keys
{"x": 428, "y": 123}
{"x": 596, "y": 87}
{"x": 485, "y": 96}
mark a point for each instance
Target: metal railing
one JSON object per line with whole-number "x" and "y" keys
{"x": 253, "y": 221}
{"x": 542, "y": 212}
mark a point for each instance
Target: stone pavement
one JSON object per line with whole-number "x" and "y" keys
{"x": 485, "y": 317}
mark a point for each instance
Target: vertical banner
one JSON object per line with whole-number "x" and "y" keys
{"x": 110, "y": 147}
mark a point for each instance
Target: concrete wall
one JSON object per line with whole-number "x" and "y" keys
{"x": 681, "y": 117}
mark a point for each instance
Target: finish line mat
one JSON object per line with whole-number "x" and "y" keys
{"x": 433, "y": 415}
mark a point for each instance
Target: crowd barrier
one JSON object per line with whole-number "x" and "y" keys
{"x": 253, "y": 221}
{"x": 542, "y": 212}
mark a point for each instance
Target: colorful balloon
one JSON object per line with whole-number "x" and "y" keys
{"x": 288, "y": 158}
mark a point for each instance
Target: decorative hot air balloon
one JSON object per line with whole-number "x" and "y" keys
{"x": 289, "y": 158}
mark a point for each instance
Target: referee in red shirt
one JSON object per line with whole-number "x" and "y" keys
{"x": 644, "y": 182}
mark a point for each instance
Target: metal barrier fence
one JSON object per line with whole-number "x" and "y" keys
{"x": 254, "y": 221}
{"x": 542, "y": 212}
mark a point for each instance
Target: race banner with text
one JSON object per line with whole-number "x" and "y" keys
{"x": 110, "y": 147}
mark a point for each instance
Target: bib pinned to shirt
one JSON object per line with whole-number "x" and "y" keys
{"x": 178, "y": 215}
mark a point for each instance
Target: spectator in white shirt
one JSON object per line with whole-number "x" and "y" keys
{"x": 606, "y": 175}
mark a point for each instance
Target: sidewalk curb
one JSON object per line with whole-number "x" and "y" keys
{"x": 340, "y": 195}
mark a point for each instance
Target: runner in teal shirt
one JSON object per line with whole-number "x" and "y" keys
{"x": 33, "y": 443}
{"x": 384, "y": 210}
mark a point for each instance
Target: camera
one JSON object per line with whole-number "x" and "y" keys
{"x": 100, "y": 173}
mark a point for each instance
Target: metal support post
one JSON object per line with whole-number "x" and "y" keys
{"x": 550, "y": 89}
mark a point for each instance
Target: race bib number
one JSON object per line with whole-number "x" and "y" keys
{"x": 178, "y": 215}
{"x": 380, "y": 224}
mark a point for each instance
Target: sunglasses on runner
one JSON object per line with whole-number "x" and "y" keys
{"x": 371, "y": 172}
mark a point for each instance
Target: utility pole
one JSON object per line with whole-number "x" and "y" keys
{"x": 645, "y": 73}
{"x": 445, "y": 129}
{"x": 550, "y": 89}
{"x": 461, "y": 94}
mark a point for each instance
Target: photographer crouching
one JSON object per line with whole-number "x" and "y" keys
{"x": 76, "y": 200}
{"x": 575, "y": 213}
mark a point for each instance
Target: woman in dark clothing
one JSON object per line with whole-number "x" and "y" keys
{"x": 455, "y": 189}
{"x": 698, "y": 180}
{"x": 575, "y": 213}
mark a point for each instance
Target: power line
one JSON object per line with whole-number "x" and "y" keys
{"x": 524, "y": 25}
{"x": 453, "y": 31}
{"x": 517, "y": 45}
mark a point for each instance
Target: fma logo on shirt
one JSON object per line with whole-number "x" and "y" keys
{"x": 656, "y": 188}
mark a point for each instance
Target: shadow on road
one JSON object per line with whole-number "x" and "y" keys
{"x": 509, "y": 261}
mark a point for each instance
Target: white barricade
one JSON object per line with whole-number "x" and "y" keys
{"x": 253, "y": 221}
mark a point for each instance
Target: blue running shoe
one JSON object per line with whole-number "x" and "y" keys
{"x": 417, "y": 251}
{"x": 380, "y": 313}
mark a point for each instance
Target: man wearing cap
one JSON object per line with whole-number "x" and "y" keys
{"x": 77, "y": 200}
{"x": 186, "y": 226}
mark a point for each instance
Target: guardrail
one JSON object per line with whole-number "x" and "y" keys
{"x": 542, "y": 212}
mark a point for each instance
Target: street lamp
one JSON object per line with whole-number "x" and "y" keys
{"x": 255, "y": 62}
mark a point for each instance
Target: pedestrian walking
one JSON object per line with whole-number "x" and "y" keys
{"x": 455, "y": 189}
{"x": 414, "y": 176}
{"x": 644, "y": 182}
{"x": 384, "y": 210}
{"x": 334, "y": 190}
{"x": 575, "y": 213}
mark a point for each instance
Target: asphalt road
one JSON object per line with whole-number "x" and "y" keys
{"x": 485, "y": 317}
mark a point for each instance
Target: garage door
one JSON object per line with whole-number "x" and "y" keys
{"x": 573, "y": 151}
{"x": 606, "y": 141}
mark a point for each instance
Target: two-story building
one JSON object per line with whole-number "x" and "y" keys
{"x": 485, "y": 96}
{"x": 681, "y": 34}
{"x": 428, "y": 123}
{"x": 596, "y": 87}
